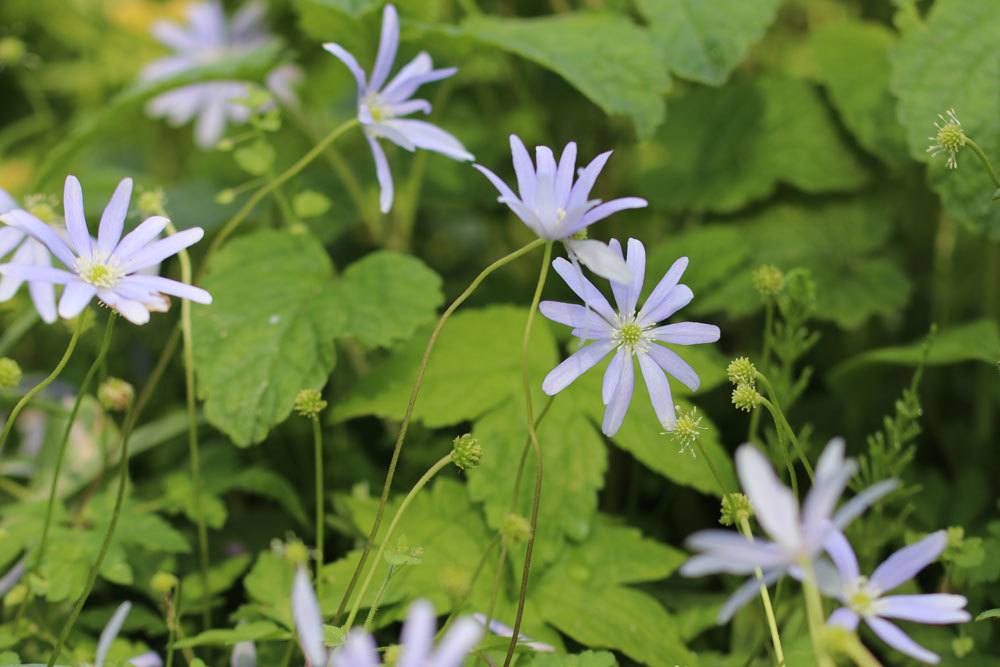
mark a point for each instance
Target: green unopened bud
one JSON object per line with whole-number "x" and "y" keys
{"x": 962, "y": 646}
{"x": 768, "y": 280}
{"x": 309, "y": 403}
{"x": 745, "y": 397}
{"x": 467, "y": 452}
{"x": 12, "y": 51}
{"x": 227, "y": 196}
{"x": 742, "y": 371}
{"x": 515, "y": 528}
{"x": 296, "y": 552}
{"x": 163, "y": 582}
{"x": 115, "y": 395}
{"x": 10, "y": 373}
{"x": 153, "y": 202}
{"x": 392, "y": 654}
{"x": 736, "y": 508}
{"x": 956, "y": 537}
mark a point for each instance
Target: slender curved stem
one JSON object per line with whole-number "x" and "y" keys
{"x": 535, "y": 446}
{"x": 781, "y": 423}
{"x": 765, "y": 357}
{"x": 765, "y": 598}
{"x": 981, "y": 154}
{"x": 16, "y": 331}
{"x": 408, "y": 415}
{"x": 259, "y": 195}
{"x": 318, "y": 464}
{"x": 421, "y": 483}
{"x": 61, "y": 455}
{"x": 12, "y": 417}
{"x": 814, "y": 613}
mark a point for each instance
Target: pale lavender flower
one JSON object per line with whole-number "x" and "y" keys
{"x": 108, "y": 267}
{"x": 797, "y": 536}
{"x": 110, "y": 633}
{"x": 628, "y": 333}
{"x": 12, "y": 576}
{"x": 26, "y": 250}
{"x": 865, "y": 597}
{"x": 382, "y": 106}
{"x": 244, "y": 655}
{"x": 557, "y": 207}
{"x": 208, "y": 37}
{"x": 502, "y": 630}
{"x": 359, "y": 650}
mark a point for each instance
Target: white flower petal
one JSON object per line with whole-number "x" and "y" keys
{"x": 388, "y": 43}
{"x": 110, "y": 632}
{"x": 109, "y": 233}
{"x": 614, "y": 413}
{"x": 659, "y": 391}
{"x": 429, "y": 137}
{"x": 76, "y": 221}
{"x": 417, "y": 637}
{"x": 908, "y": 561}
{"x": 663, "y": 290}
{"x": 75, "y": 298}
{"x": 156, "y": 252}
{"x": 775, "y": 506}
{"x": 575, "y": 365}
{"x": 600, "y": 259}
{"x": 140, "y": 237}
{"x": 308, "y": 619}
{"x": 383, "y": 174}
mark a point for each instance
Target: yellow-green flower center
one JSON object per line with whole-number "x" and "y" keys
{"x": 862, "y": 598}
{"x": 99, "y": 273}
{"x": 951, "y": 137}
{"x": 630, "y": 334}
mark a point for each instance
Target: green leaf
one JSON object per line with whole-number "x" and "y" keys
{"x": 269, "y": 332}
{"x": 475, "y": 366}
{"x": 989, "y": 613}
{"x": 245, "y": 632}
{"x": 310, "y": 204}
{"x": 388, "y": 295}
{"x": 256, "y": 158}
{"x": 853, "y": 59}
{"x": 604, "y": 56}
{"x": 730, "y": 146}
{"x": 704, "y": 41}
{"x": 951, "y": 60}
{"x": 221, "y": 577}
{"x": 574, "y": 460}
{"x": 269, "y": 584}
{"x": 585, "y": 659}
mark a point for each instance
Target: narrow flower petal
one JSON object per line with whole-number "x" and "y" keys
{"x": 150, "y": 659}
{"x": 776, "y": 507}
{"x": 600, "y": 259}
{"x": 460, "y": 640}
{"x": 614, "y": 413}
{"x": 585, "y": 183}
{"x": 845, "y": 618}
{"x": 853, "y": 508}
{"x": 211, "y": 124}
{"x": 524, "y": 170}
{"x": 75, "y": 298}
{"x": 43, "y": 274}
{"x": 401, "y": 88}
{"x": 12, "y": 576}
{"x": 687, "y": 333}
{"x": 359, "y": 650}
{"x": 173, "y": 36}
{"x": 606, "y": 209}
{"x": 821, "y": 500}
{"x": 244, "y": 655}
{"x": 502, "y": 188}
{"x": 564, "y": 174}
{"x": 934, "y": 609}
{"x": 43, "y": 295}
{"x": 345, "y": 57}
{"x": 840, "y": 551}
{"x": 408, "y": 107}
{"x": 908, "y": 561}
{"x": 575, "y": 365}
{"x": 725, "y": 551}
{"x": 430, "y": 137}
{"x": 398, "y": 88}
{"x": 417, "y": 637}
{"x": 620, "y": 288}
{"x": 612, "y": 375}
{"x": 663, "y": 291}
{"x": 672, "y": 363}
{"x": 576, "y": 316}
{"x": 583, "y": 288}
{"x": 10, "y": 237}
{"x": 745, "y": 593}
{"x": 36, "y": 228}
{"x": 113, "y": 219}
{"x": 387, "y": 46}
{"x": 76, "y": 221}
{"x": 110, "y": 632}
{"x": 308, "y": 619}
{"x": 140, "y": 237}
{"x": 898, "y": 639}
{"x": 383, "y": 173}
{"x": 677, "y": 298}
{"x": 659, "y": 391}
{"x": 132, "y": 310}
{"x": 168, "y": 286}
{"x": 157, "y": 251}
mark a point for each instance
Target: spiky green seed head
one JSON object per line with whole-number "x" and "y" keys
{"x": 309, "y": 403}
{"x": 467, "y": 452}
{"x": 768, "y": 280}
{"x": 736, "y": 508}
{"x": 742, "y": 371}
{"x": 115, "y": 394}
{"x": 10, "y": 373}
{"x": 745, "y": 397}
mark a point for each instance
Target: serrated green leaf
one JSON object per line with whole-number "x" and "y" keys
{"x": 853, "y": 59}
{"x": 387, "y": 295}
{"x": 730, "y": 146}
{"x": 952, "y": 61}
{"x": 475, "y": 366}
{"x": 605, "y": 56}
{"x": 704, "y": 41}
{"x": 269, "y": 332}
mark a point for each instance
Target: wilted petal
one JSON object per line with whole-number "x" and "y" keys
{"x": 908, "y": 561}
{"x": 575, "y": 365}
{"x": 898, "y": 639}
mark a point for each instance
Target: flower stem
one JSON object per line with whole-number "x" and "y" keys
{"x": 535, "y": 446}
{"x": 318, "y": 464}
{"x": 765, "y": 598}
{"x": 192, "y": 414}
{"x": 780, "y": 422}
{"x": 408, "y": 415}
{"x": 259, "y": 195}
{"x": 765, "y": 357}
{"x": 12, "y": 417}
{"x": 61, "y": 454}
{"x": 373, "y": 611}
{"x": 421, "y": 483}
{"x": 981, "y": 154}
{"x": 814, "y": 613}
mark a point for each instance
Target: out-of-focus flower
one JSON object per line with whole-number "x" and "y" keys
{"x": 382, "y": 106}
{"x": 208, "y": 37}
{"x": 557, "y": 207}
{"x": 865, "y": 597}
{"x": 109, "y": 266}
{"x": 110, "y": 632}
{"x": 26, "y": 250}
{"x": 797, "y": 536}
{"x": 628, "y": 333}
{"x": 502, "y": 630}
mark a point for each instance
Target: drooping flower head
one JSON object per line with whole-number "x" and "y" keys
{"x": 865, "y": 597}
{"x": 208, "y": 37}
{"x": 797, "y": 535}
{"x": 630, "y": 332}
{"x": 359, "y": 650}
{"x": 110, "y": 266}
{"x": 382, "y": 106}
{"x": 555, "y": 203}
{"x": 23, "y": 249}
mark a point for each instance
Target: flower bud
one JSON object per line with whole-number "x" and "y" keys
{"x": 742, "y": 371}
{"x": 736, "y": 508}
{"x": 12, "y": 51}
{"x": 515, "y": 528}
{"x": 115, "y": 394}
{"x": 43, "y": 207}
{"x": 768, "y": 280}
{"x": 227, "y": 196}
{"x": 163, "y": 582}
{"x": 467, "y": 452}
{"x": 10, "y": 373}
{"x": 296, "y": 552}
{"x": 745, "y": 397}
{"x": 153, "y": 202}
{"x": 309, "y": 403}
